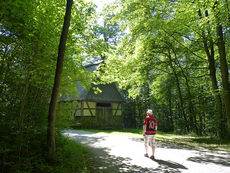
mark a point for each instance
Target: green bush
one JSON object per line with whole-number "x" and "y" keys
{"x": 70, "y": 157}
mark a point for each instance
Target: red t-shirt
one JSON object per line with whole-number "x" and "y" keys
{"x": 151, "y": 124}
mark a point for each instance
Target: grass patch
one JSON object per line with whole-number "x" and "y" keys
{"x": 71, "y": 157}
{"x": 188, "y": 140}
{"x": 207, "y": 142}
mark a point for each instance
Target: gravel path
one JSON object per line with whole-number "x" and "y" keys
{"x": 116, "y": 153}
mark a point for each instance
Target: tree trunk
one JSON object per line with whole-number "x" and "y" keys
{"x": 192, "y": 115}
{"x": 140, "y": 112}
{"x": 21, "y": 117}
{"x": 223, "y": 66}
{"x": 224, "y": 72}
{"x": 56, "y": 86}
{"x": 179, "y": 92}
{"x": 201, "y": 124}
{"x": 170, "y": 108}
{"x": 227, "y": 5}
{"x": 212, "y": 73}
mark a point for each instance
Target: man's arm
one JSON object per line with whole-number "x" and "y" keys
{"x": 155, "y": 123}
{"x": 144, "y": 129}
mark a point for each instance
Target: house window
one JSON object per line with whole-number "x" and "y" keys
{"x": 104, "y": 104}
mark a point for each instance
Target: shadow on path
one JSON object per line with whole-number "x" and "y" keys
{"x": 208, "y": 158}
{"x": 102, "y": 162}
{"x": 170, "y": 164}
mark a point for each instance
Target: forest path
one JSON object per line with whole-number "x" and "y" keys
{"x": 116, "y": 153}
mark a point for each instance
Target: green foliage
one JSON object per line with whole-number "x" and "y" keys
{"x": 159, "y": 60}
{"x": 129, "y": 114}
{"x": 162, "y": 63}
{"x": 29, "y": 38}
{"x": 71, "y": 157}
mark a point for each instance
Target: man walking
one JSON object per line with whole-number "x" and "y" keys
{"x": 149, "y": 131}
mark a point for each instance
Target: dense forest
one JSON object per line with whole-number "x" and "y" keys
{"x": 171, "y": 56}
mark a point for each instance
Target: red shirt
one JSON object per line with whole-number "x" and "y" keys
{"x": 151, "y": 124}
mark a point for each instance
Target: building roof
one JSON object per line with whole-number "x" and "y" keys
{"x": 110, "y": 92}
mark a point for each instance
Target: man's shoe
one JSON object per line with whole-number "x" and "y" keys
{"x": 146, "y": 155}
{"x": 152, "y": 157}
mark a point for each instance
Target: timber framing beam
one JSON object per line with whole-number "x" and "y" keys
{"x": 89, "y": 109}
{"x": 116, "y": 109}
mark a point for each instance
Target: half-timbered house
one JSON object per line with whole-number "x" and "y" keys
{"x": 102, "y": 110}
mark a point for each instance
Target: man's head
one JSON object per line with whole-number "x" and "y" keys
{"x": 149, "y": 112}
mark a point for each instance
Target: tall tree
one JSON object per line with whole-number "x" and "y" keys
{"x": 57, "y": 80}
{"x": 210, "y": 52}
{"x": 223, "y": 62}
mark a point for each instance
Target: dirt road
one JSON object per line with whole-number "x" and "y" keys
{"x": 116, "y": 153}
